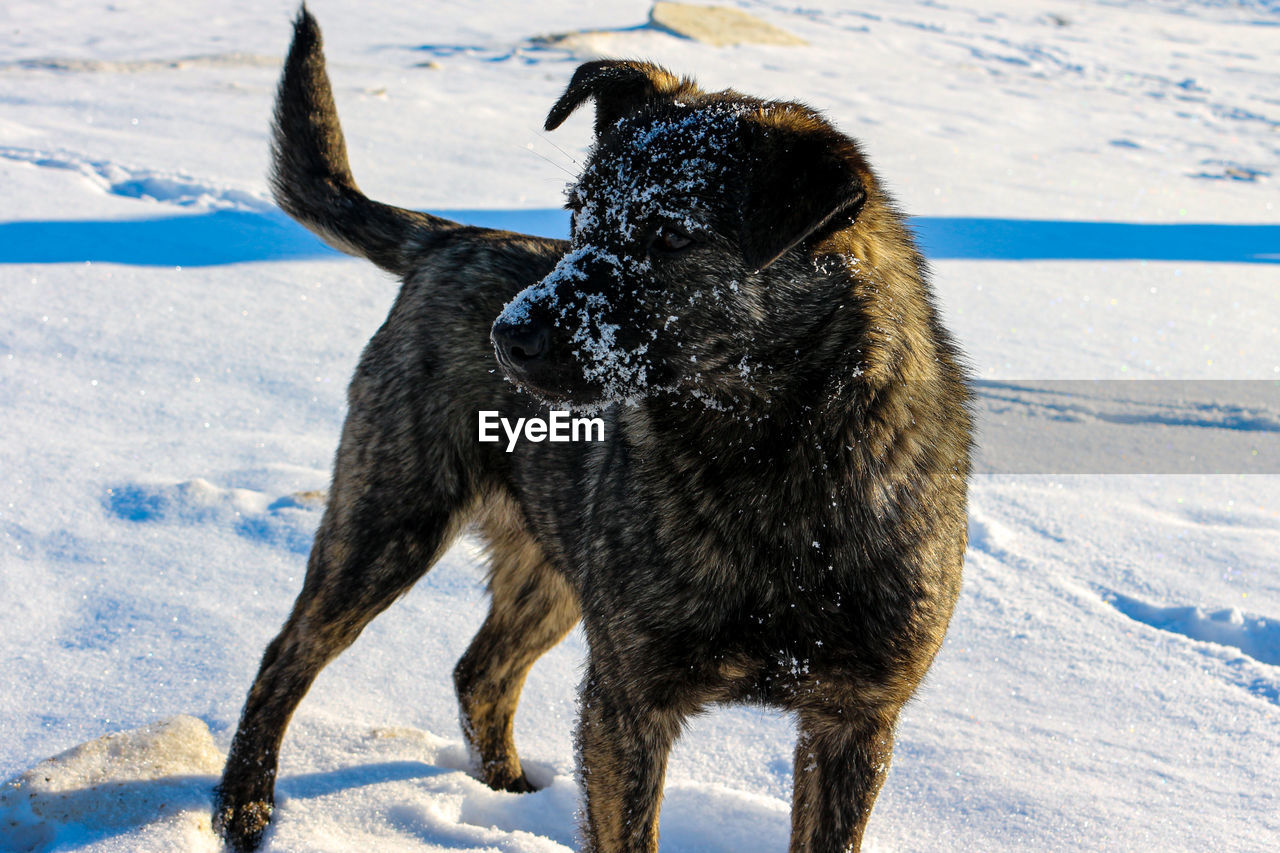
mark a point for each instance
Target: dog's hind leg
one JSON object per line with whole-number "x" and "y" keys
{"x": 531, "y": 610}
{"x": 386, "y": 524}
{"x": 347, "y": 585}
{"x": 840, "y": 763}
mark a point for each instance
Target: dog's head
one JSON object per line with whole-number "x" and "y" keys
{"x": 693, "y": 223}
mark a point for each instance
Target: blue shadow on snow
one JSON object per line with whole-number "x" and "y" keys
{"x": 230, "y": 236}
{"x": 963, "y": 237}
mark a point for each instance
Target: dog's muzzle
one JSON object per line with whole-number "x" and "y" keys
{"x": 524, "y": 348}
{"x": 520, "y": 345}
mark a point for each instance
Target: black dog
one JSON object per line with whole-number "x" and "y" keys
{"x": 776, "y": 514}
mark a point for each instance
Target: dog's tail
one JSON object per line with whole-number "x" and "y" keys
{"x": 310, "y": 177}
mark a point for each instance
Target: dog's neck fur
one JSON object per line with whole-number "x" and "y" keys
{"x": 847, "y": 401}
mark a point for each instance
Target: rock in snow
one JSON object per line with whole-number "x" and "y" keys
{"x": 718, "y": 25}
{"x": 117, "y": 782}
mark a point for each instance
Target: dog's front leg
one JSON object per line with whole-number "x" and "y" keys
{"x": 840, "y": 763}
{"x": 623, "y": 744}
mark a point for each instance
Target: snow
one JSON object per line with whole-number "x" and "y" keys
{"x": 1096, "y": 182}
{"x": 156, "y": 774}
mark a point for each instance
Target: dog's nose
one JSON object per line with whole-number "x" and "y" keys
{"x": 522, "y": 343}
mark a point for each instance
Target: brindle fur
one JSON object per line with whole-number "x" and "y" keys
{"x": 777, "y": 514}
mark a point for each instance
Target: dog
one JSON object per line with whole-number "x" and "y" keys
{"x": 776, "y": 514}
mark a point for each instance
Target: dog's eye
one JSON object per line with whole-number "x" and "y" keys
{"x": 669, "y": 239}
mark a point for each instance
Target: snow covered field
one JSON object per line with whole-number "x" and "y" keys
{"x": 174, "y": 355}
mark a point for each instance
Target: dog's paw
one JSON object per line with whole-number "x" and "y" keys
{"x": 512, "y": 783}
{"x": 519, "y": 785}
{"x": 242, "y": 824}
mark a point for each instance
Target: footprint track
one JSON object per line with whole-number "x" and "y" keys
{"x": 1247, "y": 644}
{"x": 175, "y": 188}
{"x": 287, "y": 521}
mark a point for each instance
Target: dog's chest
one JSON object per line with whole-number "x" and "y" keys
{"x": 639, "y": 537}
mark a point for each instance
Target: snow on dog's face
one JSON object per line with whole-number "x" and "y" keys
{"x": 665, "y": 286}
{"x": 643, "y": 299}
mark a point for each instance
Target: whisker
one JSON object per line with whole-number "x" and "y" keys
{"x": 548, "y": 140}
{"x": 529, "y": 147}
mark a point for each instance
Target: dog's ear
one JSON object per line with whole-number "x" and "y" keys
{"x": 800, "y": 175}
{"x": 620, "y": 87}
